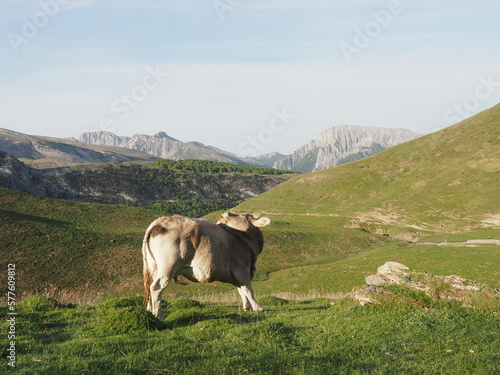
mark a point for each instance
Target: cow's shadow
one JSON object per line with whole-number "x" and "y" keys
{"x": 207, "y": 316}
{"x": 214, "y": 315}
{"x": 17, "y": 216}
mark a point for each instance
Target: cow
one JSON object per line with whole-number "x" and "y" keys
{"x": 202, "y": 251}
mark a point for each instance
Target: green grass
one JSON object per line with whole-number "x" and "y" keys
{"x": 77, "y": 249}
{"x": 480, "y": 264}
{"x": 308, "y": 337}
{"x": 482, "y": 234}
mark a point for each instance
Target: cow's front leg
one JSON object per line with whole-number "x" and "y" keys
{"x": 246, "y": 303}
{"x": 249, "y": 302}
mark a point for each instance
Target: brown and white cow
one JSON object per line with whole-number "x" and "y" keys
{"x": 203, "y": 252}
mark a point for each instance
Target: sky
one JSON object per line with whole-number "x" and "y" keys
{"x": 246, "y": 76}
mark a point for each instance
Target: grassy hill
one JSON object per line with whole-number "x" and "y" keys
{"x": 80, "y": 252}
{"x": 73, "y": 251}
{"x": 443, "y": 182}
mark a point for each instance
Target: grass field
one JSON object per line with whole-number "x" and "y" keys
{"x": 306, "y": 337}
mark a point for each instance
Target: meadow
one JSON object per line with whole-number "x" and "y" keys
{"x": 291, "y": 337}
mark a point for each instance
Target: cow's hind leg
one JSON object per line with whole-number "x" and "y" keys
{"x": 157, "y": 287}
{"x": 248, "y": 298}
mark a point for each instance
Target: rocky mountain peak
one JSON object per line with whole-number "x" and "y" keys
{"x": 342, "y": 144}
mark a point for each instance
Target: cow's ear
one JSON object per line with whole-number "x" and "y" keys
{"x": 262, "y": 222}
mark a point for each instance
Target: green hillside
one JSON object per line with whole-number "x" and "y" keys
{"x": 443, "y": 182}
{"x": 73, "y": 251}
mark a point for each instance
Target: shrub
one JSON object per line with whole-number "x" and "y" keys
{"x": 123, "y": 315}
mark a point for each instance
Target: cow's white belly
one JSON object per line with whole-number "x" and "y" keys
{"x": 194, "y": 272}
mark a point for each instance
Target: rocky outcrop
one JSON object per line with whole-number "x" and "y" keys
{"x": 377, "y": 289}
{"x": 342, "y": 144}
{"x": 18, "y": 176}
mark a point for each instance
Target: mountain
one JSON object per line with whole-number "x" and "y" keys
{"x": 163, "y": 146}
{"x": 49, "y": 152}
{"x": 270, "y": 159}
{"x": 334, "y": 146}
{"x": 343, "y": 144}
{"x": 444, "y": 181}
{"x": 135, "y": 184}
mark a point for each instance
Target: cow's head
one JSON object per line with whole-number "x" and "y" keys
{"x": 243, "y": 222}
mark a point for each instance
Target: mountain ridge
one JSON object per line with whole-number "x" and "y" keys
{"x": 343, "y": 143}
{"x": 41, "y": 151}
{"x": 163, "y": 146}
{"x": 332, "y": 147}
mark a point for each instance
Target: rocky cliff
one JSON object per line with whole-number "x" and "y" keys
{"x": 134, "y": 184}
{"x": 342, "y": 144}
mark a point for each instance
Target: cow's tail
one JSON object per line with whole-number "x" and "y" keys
{"x": 147, "y": 268}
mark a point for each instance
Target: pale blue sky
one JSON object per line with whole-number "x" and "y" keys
{"x": 218, "y": 72}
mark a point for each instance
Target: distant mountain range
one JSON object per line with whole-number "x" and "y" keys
{"x": 334, "y": 146}
{"x": 343, "y": 144}
{"x": 163, "y": 146}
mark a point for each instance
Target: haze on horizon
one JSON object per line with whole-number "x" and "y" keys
{"x": 223, "y": 72}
